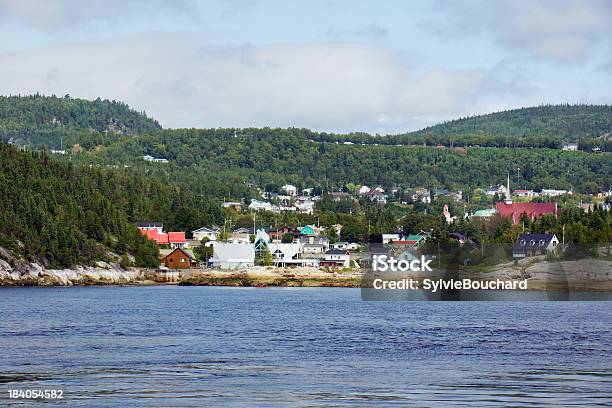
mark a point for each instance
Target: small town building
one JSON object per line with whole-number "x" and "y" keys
{"x": 149, "y": 226}
{"x": 179, "y": 258}
{"x": 336, "y": 258}
{"x": 206, "y": 232}
{"x": 535, "y": 244}
{"x": 232, "y": 256}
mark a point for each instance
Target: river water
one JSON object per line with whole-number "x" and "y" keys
{"x": 219, "y": 346}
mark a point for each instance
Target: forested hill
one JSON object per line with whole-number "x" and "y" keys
{"x": 63, "y": 215}
{"x": 570, "y": 122}
{"x": 51, "y": 121}
{"x": 547, "y": 126}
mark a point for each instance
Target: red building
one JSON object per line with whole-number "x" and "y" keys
{"x": 533, "y": 210}
{"x": 179, "y": 259}
{"x": 174, "y": 239}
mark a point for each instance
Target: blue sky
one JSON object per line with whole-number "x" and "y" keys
{"x": 380, "y": 67}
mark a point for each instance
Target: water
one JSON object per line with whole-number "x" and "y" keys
{"x": 207, "y": 346}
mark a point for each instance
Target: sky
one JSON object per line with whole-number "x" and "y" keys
{"x": 342, "y": 66}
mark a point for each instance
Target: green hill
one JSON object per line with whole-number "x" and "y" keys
{"x": 569, "y": 123}
{"x": 50, "y": 121}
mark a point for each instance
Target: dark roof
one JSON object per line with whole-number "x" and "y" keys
{"x": 539, "y": 240}
{"x": 336, "y": 252}
{"x": 150, "y": 224}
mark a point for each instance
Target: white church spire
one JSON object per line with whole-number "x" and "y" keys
{"x": 508, "y": 196}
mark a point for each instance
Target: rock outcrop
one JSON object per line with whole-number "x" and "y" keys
{"x": 33, "y": 274}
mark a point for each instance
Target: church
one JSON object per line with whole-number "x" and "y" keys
{"x": 507, "y": 208}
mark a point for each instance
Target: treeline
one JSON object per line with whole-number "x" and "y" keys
{"x": 276, "y": 156}
{"x": 64, "y": 215}
{"x": 50, "y": 121}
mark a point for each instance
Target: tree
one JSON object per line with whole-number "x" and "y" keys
{"x": 287, "y": 238}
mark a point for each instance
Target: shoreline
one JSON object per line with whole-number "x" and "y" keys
{"x": 592, "y": 275}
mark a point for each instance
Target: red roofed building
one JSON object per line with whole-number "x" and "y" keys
{"x": 512, "y": 210}
{"x": 174, "y": 239}
{"x": 533, "y": 210}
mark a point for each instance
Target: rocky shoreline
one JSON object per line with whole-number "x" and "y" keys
{"x": 587, "y": 275}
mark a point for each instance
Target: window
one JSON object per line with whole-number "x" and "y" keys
{"x": 532, "y": 242}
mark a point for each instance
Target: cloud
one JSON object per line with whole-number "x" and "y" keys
{"x": 57, "y": 15}
{"x": 553, "y": 30}
{"x": 184, "y": 80}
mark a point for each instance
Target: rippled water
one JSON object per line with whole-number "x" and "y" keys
{"x": 206, "y": 346}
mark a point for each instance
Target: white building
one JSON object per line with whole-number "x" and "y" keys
{"x": 205, "y": 232}
{"x": 571, "y": 147}
{"x": 363, "y": 190}
{"x": 232, "y": 256}
{"x": 257, "y": 205}
{"x": 289, "y": 189}
{"x": 386, "y": 238}
{"x": 336, "y": 258}
{"x": 554, "y": 193}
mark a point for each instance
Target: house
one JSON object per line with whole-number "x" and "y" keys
{"x": 499, "y": 190}
{"x": 412, "y": 240}
{"x": 205, "y": 232}
{"x": 535, "y": 244}
{"x": 232, "y": 256}
{"x": 336, "y": 258}
{"x": 377, "y": 195}
{"x": 174, "y": 239}
{"x": 287, "y": 254}
{"x": 387, "y": 238}
{"x": 242, "y": 235}
{"x": 483, "y": 215}
{"x": 339, "y": 245}
{"x": 363, "y": 190}
{"x": 309, "y": 230}
{"x": 554, "y": 193}
{"x": 177, "y": 239}
{"x": 339, "y": 195}
{"x": 421, "y": 194}
{"x": 312, "y": 244}
{"x": 148, "y": 226}
{"x": 289, "y": 189}
{"x": 179, "y": 258}
{"x": 305, "y": 207}
{"x": 524, "y": 193}
{"x": 277, "y": 233}
{"x": 570, "y": 147}
{"x": 257, "y": 205}
{"x": 232, "y": 204}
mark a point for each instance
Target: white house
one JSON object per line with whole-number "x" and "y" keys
{"x": 232, "y": 256}
{"x": 549, "y": 192}
{"x": 289, "y": 189}
{"x": 205, "y": 232}
{"x": 151, "y": 226}
{"x": 260, "y": 205}
{"x": 363, "y": 190}
{"x": 336, "y": 258}
{"x": 571, "y": 147}
{"x": 286, "y": 254}
{"x": 386, "y": 238}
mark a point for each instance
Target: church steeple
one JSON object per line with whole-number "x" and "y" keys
{"x": 508, "y": 196}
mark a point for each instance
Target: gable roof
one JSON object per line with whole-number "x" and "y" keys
{"x": 534, "y": 240}
{"x": 187, "y": 253}
{"x": 206, "y": 229}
